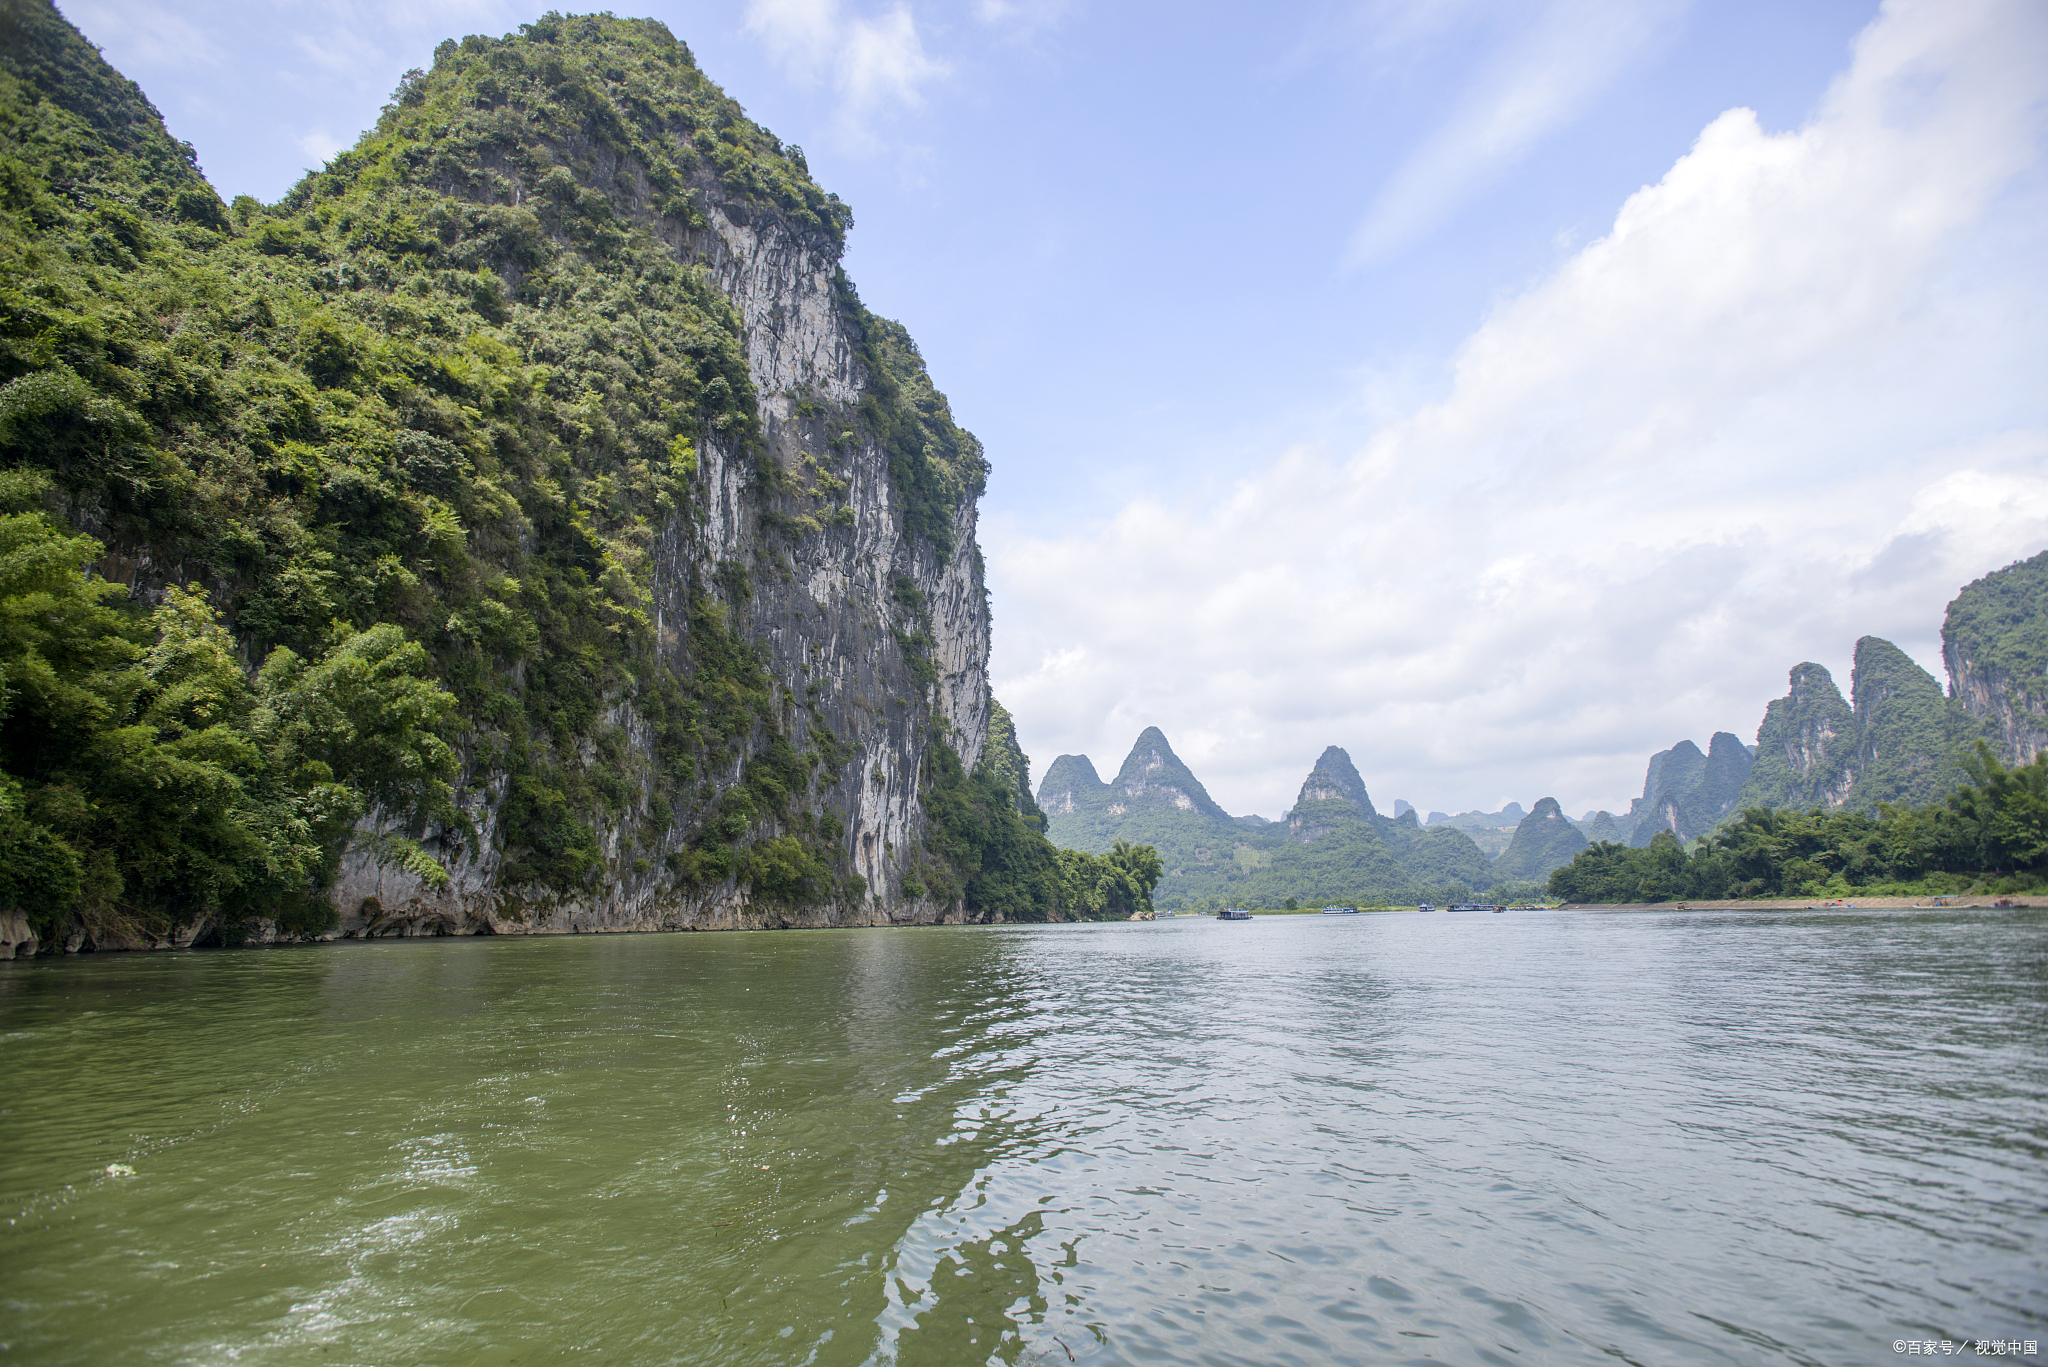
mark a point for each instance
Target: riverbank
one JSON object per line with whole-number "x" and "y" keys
{"x": 1985, "y": 903}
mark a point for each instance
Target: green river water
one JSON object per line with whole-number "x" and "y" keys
{"x": 1540, "y": 1137}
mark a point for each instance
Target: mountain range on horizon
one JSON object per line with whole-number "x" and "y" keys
{"x": 1332, "y": 845}
{"x": 1897, "y": 738}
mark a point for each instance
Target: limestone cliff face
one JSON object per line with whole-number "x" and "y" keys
{"x": 1071, "y": 785}
{"x": 1672, "y": 773}
{"x": 1153, "y": 776}
{"x": 1994, "y": 641}
{"x": 1334, "y": 780}
{"x": 1802, "y": 745}
{"x": 875, "y": 637}
{"x": 1894, "y": 740}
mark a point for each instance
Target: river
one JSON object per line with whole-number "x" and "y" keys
{"x": 1528, "y": 1138}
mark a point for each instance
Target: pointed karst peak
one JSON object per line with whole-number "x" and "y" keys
{"x": 1336, "y": 779}
{"x": 1155, "y": 776}
{"x": 1151, "y": 753}
{"x": 1882, "y": 672}
{"x": 1724, "y": 746}
{"x": 1070, "y": 784}
{"x": 1544, "y": 840}
{"x": 1811, "y": 680}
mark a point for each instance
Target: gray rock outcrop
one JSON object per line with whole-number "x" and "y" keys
{"x": 1994, "y": 642}
{"x": 828, "y": 613}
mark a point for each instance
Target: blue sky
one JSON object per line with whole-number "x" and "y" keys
{"x": 1461, "y": 383}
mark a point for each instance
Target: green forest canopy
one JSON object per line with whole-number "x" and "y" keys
{"x": 417, "y": 422}
{"x": 1994, "y": 832}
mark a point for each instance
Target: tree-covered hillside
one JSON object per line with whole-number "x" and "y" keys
{"x": 1545, "y": 840}
{"x": 424, "y": 438}
{"x": 1897, "y": 739}
{"x": 1990, "y": 834}
{"x": 1994, "y": 641}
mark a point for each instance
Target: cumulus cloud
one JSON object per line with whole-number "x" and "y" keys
{"x": 873, "y": 62}
{"x": 1536, "y": 83}
{"x": 1791, "y": 397}
{"x": 320, "y": 145}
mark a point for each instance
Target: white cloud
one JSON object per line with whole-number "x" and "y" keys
{"x": 872, "y": 62}
{"x": 1793, "y": 396}
{"x": 146, "y": 32}
{"x": 320, "y": 145}
{"x": 1537, "y": 83}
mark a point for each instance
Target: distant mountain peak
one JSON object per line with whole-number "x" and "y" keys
{"x": 1331, "y": 788}
{"x": 1545, "y": 839}
{"x": 1892, "y": 740}
{"x": 1153, "y": 775}
{"x": 1335, "y": 778}
{"x": 1070, "y": 784}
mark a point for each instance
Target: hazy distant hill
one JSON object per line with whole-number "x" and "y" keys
{"x": 1490, "y": 831}
{"x": 1155, "y": 799}
{"x": 1333, "y": 845}
{"x": 1603, "y": 825}
{"x": 1686, "y": 792}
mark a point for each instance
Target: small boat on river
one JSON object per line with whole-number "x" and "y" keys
{"x": 1425, "y": 907}
{"x": 1233, "y": 914}
{"x": 1340, "y": 911}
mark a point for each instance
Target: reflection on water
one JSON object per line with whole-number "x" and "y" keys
{"x": 1540, "y": 1138}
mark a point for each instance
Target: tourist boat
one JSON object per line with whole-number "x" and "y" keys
{"x": 1425, "y": 907}
{"x": 1473, "y": 906}
{"x": 1340, "y": 911}
{"x": 1233, "y": 914}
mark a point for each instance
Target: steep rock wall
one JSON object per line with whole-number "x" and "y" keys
{"x": 828, "y": 608}
{"x": 1994, "y": 641}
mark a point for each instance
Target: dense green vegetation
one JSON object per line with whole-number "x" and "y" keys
{"x": 143, "y": 769}
{"x": 1544, "y": 839}
{"x": 1893, "y": 741}
{"x": 986, "y": 852}
{"x": 1990, "y": 834}
{"x": 439, "y": 400}
{"x": 1995, "y": 632}
{"x": 1005, "y": 759}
